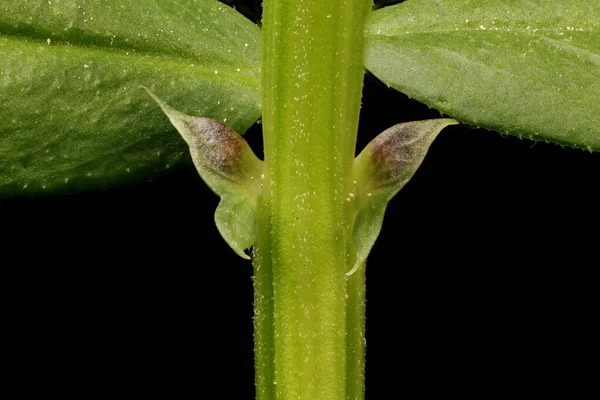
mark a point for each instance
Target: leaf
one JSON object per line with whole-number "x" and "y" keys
{"x": 229, "y": 167}
{"x": 72, "y": 114}
{"x": 384, "y": 167}
{"x": 529, "y": 68}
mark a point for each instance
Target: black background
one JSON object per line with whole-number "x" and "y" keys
{"x": 480, "y": 283}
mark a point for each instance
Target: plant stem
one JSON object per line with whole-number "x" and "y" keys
{"x": 309, "y": 318}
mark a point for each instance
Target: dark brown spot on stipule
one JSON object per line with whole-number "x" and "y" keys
{"x": 218, "y": 146}
{"x": 394, "y": 150}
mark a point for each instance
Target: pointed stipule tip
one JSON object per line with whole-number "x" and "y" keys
{"x": 155, "y": 97}
{"x": 165, "y": 107}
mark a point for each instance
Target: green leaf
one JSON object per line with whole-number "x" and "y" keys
{"x": 529, "y": 68}
{"x": 72, "y": 114}
{"x": 229, "y": 167}
{"x": 384, "y": 167}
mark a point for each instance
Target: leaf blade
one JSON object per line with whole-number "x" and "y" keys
{"x": 526, "y": 68}
{"x": 72, "y": 113}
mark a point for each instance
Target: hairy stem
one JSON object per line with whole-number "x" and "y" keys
{"x": 309, "y": 317}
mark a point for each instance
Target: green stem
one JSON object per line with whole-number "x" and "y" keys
{"x": 355, "y": 317}
{"x": 309, "y": 318}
